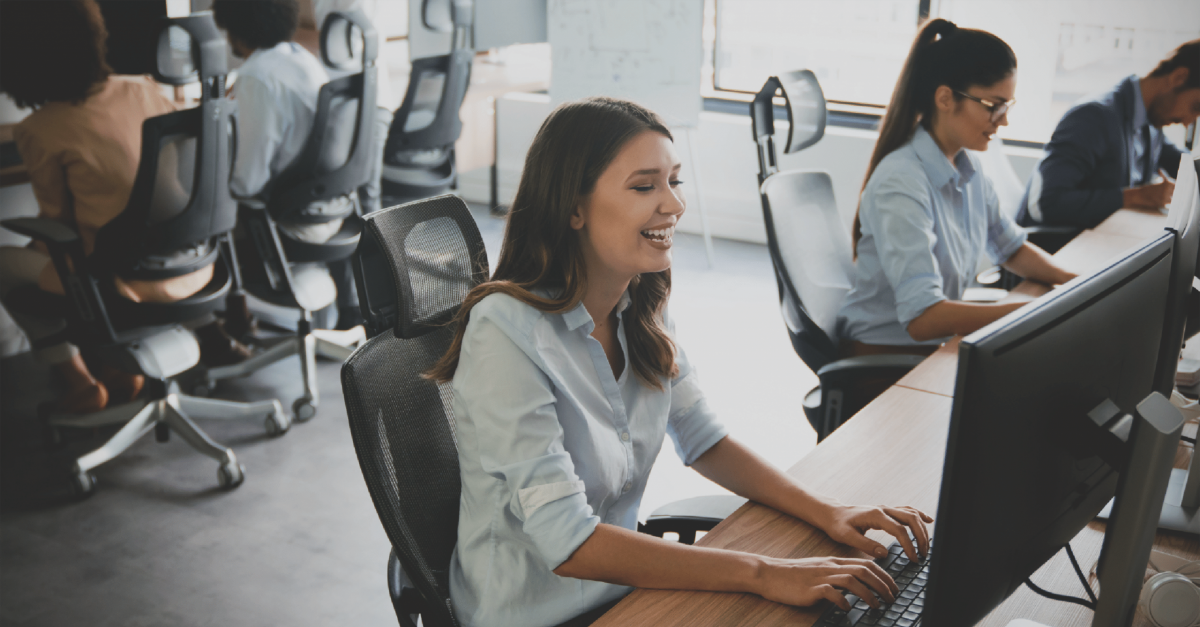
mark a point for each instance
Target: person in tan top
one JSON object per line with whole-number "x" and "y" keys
{"x": 81, "y": 145}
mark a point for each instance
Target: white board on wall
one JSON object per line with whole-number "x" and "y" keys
{"x": 648, "y": 51}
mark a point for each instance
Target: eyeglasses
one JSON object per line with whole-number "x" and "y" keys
{"x": 997, "y": 109}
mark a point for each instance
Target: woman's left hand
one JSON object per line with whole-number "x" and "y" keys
{"x": 848, "y": 524}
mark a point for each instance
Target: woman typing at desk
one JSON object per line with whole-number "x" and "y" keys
{"x": 566, "y": 378}
{"x": 926, "y": 214}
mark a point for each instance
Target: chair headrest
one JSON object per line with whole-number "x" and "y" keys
{"x": 190, "y": 49}
{"x": 349, "y": 41}
{"x": 415, "y": 264}
{"x": 805, "y": 108}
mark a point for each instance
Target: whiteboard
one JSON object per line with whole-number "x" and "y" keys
{"x": 648, "y": 51}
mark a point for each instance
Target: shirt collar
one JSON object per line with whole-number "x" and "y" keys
{"x": 1139, "y": 106}
{"x": 937, "y": 168}
{"x": 579, "y": 316}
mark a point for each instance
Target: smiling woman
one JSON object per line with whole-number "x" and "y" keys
{"x": 556, "y": 437}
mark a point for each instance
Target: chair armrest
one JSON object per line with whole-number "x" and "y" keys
{"x": 1051, "y": 238}
{"x": 406, "y": 600}
{"x": 64, "y": 243}
{"x": 42, "y": 229}
{"x": 687, "y": 516}
{"x": 844, "y": 370}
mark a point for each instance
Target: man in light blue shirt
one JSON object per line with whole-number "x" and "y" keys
{"x": 537, "y": 442}
{"x": 925, "y": 223}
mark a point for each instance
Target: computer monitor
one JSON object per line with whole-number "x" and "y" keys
{"x": 1030, "y": 458}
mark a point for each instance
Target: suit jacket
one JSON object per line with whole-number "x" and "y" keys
{"x": 1087, "y": 162}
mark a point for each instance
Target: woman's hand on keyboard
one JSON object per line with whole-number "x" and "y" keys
{"x": 807, "y": 581}
{"x": 848, "y": 524}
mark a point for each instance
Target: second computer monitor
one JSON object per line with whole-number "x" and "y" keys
{"x": 1029, "y": 460}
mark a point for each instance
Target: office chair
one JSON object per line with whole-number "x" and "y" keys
{"x": 413, "y": 269}
{"x": 286, "y": 272}
{"x": 810, "y": 252}
{"x": 418, "y": 158}
{"x": 177, "y": 212}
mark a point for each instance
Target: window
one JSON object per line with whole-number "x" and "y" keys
{"x": 1066, "y": 49}
{"x": 1069, "y": 49}
{"x": 855, "y": 48}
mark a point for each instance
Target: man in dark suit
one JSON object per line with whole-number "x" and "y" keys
{"x": 1106, "y": 151}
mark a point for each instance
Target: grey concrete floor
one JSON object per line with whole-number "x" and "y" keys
{"x": 299, "y": 543}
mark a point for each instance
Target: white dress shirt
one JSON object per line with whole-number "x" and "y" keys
{"x": 551, "y": 444}
{"x": 276, "y": 94}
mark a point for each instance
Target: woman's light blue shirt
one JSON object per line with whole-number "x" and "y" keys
{"x": 550, "y": 445}
{"x": 925, "y": 225}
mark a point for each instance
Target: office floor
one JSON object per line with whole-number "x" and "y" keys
{"x": 299, "y": 542}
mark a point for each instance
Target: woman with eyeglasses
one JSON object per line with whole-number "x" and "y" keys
{"x": 927, "y": 212}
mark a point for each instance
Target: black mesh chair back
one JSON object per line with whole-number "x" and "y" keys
{"x": 335, "y": 160}
{"x": 180, "y": 201}
{"x": 415, "y": 265}
{"x": 809, "y": 246}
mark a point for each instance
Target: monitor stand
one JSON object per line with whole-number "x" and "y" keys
{"x": 1181, "y": 507}
{"x": 1174, "y": 516}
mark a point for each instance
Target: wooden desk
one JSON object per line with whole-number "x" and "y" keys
{"x": 890, "y": 452}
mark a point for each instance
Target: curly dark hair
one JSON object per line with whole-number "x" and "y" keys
{"x": 258, "y": 23}
{"x": 51, "y": 51}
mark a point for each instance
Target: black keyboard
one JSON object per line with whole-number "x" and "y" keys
{"x": 910, "y": 576}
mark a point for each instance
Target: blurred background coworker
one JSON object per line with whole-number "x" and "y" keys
{"x": 82, "y": 145}
{"x": 1105, "y": 152}
{"x": 276, "y": 94}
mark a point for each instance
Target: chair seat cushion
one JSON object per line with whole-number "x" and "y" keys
{"x": 340, "y": 246}
{"x": 313, "y": 289}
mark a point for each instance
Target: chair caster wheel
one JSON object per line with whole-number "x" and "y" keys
{"x": 203, "y": 390}
{"x": 162, "y": 432}
{"x": 231, "y": 474}
{"x": 304, "y": 409}
{"x": 82, "y": 483}
{"x": 277, "y": 423}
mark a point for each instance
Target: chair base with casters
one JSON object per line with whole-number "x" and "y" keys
{"x": 308, "y": 343}
{"x": 161, "y": 356}
{"x": 173, "y": 411}
{"x": 284, "y": 272}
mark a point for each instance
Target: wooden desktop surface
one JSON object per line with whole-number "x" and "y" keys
{"x": 892, "y": 452}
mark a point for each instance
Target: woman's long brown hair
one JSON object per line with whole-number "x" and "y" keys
{"x": 542, "y": 252}
{"x": 941, "y": 54}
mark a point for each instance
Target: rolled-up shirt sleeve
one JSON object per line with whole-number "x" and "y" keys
{"x": 512, "y": 407}
{"x": 901, "y": 217}
{"x": 1005, "y": 238}
{"x": 691, "y": 423}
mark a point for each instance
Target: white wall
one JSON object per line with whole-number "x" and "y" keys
{"x": 727, "y": 165}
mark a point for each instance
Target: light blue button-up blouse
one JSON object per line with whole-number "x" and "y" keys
{"x": 925, "y": 225}
{"x": 550, "y": 445}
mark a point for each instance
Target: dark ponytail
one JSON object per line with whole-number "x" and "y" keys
{"x": 942, "y": 54}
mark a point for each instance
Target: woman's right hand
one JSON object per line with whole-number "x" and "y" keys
{"x": 806, "y": 581}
